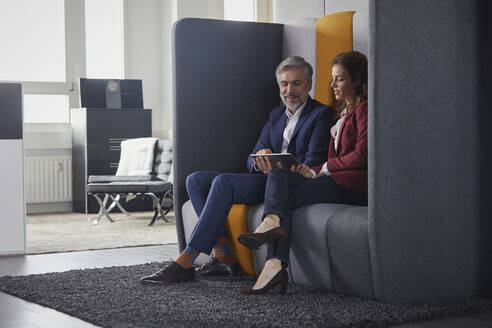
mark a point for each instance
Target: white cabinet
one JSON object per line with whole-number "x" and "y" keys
{"x": 12, "y": 206}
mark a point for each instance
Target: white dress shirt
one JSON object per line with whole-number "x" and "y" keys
{"x": 290, "y": 125}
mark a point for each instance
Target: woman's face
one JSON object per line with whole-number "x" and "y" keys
{"x": 342, "y": 84}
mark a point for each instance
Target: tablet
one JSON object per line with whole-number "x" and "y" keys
{"x": 281, "y": 160}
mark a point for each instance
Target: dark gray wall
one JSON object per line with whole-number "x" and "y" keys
{"x": 11, "y": 111}
{"x": 224, "y": 88}
{"x": 484, "y": 55}
{"x": 425, "y": 125}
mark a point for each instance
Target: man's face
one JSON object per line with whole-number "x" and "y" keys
{"x": 294, "y": 87}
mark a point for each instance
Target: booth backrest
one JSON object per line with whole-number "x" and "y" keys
{"x": 224, "y": 88}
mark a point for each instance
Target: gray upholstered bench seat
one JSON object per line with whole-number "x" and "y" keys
{"x": 120, "y": 178}
{"x": 329, "y": 246}
{"x": 134, "y": 187}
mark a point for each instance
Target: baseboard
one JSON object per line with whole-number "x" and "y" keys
{"x": 36, "y": 208}
{"x": 14, "y": 253}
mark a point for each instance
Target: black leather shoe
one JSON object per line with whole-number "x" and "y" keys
{"x": 170, "y": 274}
{"x": 216, "y": 268}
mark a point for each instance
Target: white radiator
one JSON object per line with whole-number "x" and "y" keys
{"x": 48, "y": 179}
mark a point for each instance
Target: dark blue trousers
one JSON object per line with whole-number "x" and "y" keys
{"x": 286, "y": 191}
{"x": 212, "y": 195}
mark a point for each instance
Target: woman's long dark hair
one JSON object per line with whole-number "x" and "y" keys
{"x": 355, "y": 63}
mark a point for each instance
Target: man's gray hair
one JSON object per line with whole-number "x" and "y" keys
{"x": 295, "y": 61}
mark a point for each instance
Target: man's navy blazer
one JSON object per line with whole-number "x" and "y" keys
{"x": 311, "y": 137}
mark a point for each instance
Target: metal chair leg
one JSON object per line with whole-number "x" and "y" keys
{"x": 116, "y": 201}
{"x": 103, "y": 209}
{"x": 157, "y": 207}
{"x": 100, "y": 212}
{"x": 154, "y": 218}
{"x": 168, "y": 194}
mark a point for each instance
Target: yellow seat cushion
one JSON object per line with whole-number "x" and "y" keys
{"x": 236, "y": 224}
{"x": 333, "y": 36}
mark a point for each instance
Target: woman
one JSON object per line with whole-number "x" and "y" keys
{"x": 342, "y": 179}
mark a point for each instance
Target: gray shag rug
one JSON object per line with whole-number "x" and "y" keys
{"x": 113, "y": 297}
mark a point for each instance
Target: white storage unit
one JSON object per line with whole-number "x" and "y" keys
{"x": 12, "y": 205}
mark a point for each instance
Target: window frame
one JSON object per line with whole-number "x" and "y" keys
{"x": 74, "y": 57}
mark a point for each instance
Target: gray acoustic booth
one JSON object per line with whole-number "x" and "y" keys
{"x": 423, "y": 235}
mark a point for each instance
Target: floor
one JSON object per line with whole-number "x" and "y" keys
{"x": 17, "y": 313}
{"x": 69, "y": 231}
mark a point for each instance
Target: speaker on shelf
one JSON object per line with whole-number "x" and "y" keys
{"x": 111, "y": 93}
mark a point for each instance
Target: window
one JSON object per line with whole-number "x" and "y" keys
{"x": 41, "y": 48}
{"x": 33, "y": 40}
{"x": 240, "y": 10}
{"x": 46, "y": 108}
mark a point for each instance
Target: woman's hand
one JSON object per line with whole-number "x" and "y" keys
{"x": 303, "y": 170}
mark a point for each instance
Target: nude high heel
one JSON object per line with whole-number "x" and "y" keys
{"x": 281, "y": 278}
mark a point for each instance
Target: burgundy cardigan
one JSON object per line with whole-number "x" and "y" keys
{"x": 348, "y": 164}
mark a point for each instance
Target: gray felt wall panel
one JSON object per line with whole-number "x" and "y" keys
{"x": 484, "y": 8}
{"x": 299, "y": 39}
{"x": 224, "y": 88}
{"x": 423, "y": 160}
{"x": 285, "y": 11}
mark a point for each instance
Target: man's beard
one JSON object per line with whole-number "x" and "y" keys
{"x": 294, "y": 107}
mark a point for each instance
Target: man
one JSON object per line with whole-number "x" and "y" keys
{"x": 300, "y": 126}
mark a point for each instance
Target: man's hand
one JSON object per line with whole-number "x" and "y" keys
{"x": 263, "y": 164}
{"x": 303, "y": 170}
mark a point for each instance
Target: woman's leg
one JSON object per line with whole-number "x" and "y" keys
{"x": 292, "y": 193}
{"x": 278, "y": 204}
{"x": 286, "y": 191}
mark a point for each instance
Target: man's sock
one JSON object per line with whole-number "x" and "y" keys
{"x": 187, "y": 257}
{"x": 223, "y": 252}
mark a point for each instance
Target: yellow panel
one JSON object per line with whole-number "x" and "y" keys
{"x": 236, "y": 224}
{"x": 333, "y": 36}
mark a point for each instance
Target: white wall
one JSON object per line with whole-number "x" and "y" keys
{"x": 143, "y": 56}
{"x": 286, "y": 10}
